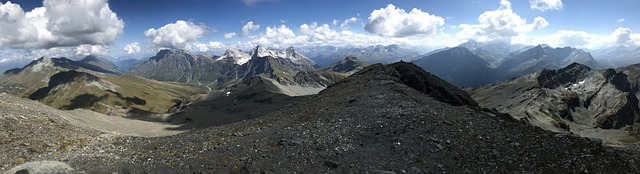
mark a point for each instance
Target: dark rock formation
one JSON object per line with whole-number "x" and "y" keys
{"x": 555, "y": 78}
{"x": 416, "y": 78}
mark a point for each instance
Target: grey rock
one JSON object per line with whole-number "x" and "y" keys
{"x": 42, "y": 167}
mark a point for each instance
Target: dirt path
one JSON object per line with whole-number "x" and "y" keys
{"x": 119, "y": 125}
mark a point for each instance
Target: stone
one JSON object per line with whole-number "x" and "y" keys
{"x": 42, "y": 167}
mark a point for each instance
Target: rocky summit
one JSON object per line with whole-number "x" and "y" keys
{"x": 371, "y": 121}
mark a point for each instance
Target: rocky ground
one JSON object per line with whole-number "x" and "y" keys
{"x": 369, "y": 123}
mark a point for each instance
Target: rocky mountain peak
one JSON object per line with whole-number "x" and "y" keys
{"x": 236, "y": 56}
{"x": 260, "y": 51}
{"x": 165, "y": 53}
{"x": 289, "y": 53}
{"x": 427, "y": 83}
{"x": 555, "y": 78}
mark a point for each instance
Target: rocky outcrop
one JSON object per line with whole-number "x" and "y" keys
{"x": 570, "y": 99}
{"x": 416, "y": 78}
{"x": 555, "y": 78}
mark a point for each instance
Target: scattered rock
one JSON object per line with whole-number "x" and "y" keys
{"x": 332, "y": 164}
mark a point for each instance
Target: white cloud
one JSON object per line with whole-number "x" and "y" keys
{"x": 622, "y": 36}
{"x": 582, "y": 39}
{"x": 254, "y": 3}
{"x": 314, "y": 34}
{"x": 132, "y": 48}
{"x": 249, "y": 27}
{"x": 85, "y": 50}
{"x": 620, "y": 20}
{"x": 229, "y": 35}
{"x": 346, "y": 22}
{"x": 59, "y": 23}
{"x": 396, "y": 22}
{"x": 175, "y": 35}
{"x": 204, "y": 47}
{"x": 501, "y": 25}
{"x": 544, "y": 5}
{"x": 335, "y": 22}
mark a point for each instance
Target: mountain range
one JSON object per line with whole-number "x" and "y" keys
{"x": 528, "y": 108}
{"x": 325, "y": 55}
{"x": 473, "y": 63}
{"x": 383, "y": 118}
{"x": 99, "y": 85}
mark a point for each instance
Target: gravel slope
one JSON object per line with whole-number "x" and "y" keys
{"x": 369, "y": 122}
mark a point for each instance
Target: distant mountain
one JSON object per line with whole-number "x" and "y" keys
{"x": 66, "y": 84}
{"x": 8, "y": 64}
{"x": 232, "y": 67}
{"x": 349, "y": 65}
{"x": 101, "y": 63}
{"x": 543, "y": 57}
{"x": 571, "y": 99}
{"x": 492, "y": 53}
{"x": 126, "y": 64}
{"x": 184, "y": 67}
{"x": 619, "y": 56}
{"x": 18, "y": 80}
{"x": 458, "y": 66}
{"x": 473, "y": 63}
{"x": 275, "y": 63}
{"x": 235, "y": 56}
{"x": 373, "y": 54}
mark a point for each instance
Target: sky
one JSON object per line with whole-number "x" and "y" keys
{"x": 122, "y": 29}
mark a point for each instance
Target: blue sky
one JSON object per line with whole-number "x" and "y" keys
{"x": 125, "y": 28}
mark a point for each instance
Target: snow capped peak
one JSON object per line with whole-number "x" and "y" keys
{"x": 288, "y": 53}
{"x": 236, "y": 56}
{"x": 260, "y": 51}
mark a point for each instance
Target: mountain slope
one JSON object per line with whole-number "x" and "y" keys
{"x": 108, "y": 94}
{"x": 101, "y": 63}
{"x": 458, "y": 66}
{"x": 35, "y": 74}
{"x": 543, "y": 57}
{"x": 369, "y": 122}
{"x": 572, "y": 99}
{"x": 184, "y": 67}
{"x": 618, "y": 57}
{"x": 65, "y": 84}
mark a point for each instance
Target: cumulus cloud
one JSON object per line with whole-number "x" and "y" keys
{"x": 175, "y": 35}
{"x": 622, "y": 36}
{"x": 59, "y": 23}
{"x": 229, "y": 35}
{"x": 249, "y": 27}
{"x": 395, "y": 22}
{"x": 501, "y": 25}
{"x": 132, "y": 48}
{"x": 204, "y": 47}
{"x": 86, "y": 49}
{"x": 620, "y": 20}
{"x": 314, "y": 34}
{"x": 544, "y": 5}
